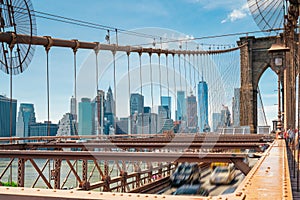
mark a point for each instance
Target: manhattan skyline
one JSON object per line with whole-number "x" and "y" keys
{"x": 33, "y": 90}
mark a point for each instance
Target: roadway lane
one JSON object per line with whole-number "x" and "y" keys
{"x": 216, "y": 190}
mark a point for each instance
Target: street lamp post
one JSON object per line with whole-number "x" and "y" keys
{"x": 277, "y": 52}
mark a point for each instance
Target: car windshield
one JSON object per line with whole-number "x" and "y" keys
{"x": 180, "y": 169}
{"x": 221, "y": 170}
{"x": 188, "y": 170}
{"x": 186, "y": 191}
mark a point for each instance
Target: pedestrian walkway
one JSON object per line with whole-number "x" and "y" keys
{"x": 294, "y": 172}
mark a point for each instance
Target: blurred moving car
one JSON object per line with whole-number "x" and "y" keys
{"x": 186, "y": 173}
{"x": 229, "y": 190}
{"x": 213, "y": 165}
{"x": 191, "y": 190}
{"x": 222, "y": 175}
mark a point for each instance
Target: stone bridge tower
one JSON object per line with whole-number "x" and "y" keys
{"x": 255, "y": 59}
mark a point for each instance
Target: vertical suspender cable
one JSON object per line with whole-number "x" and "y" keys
{"x": 141, "y": 84}
{"x": 179, "y": 61}
{"x": 167, "y": 75}
{"x": 10, "y": 101}
{"x": 175, "y": 89}
{"x": 168, "y": 85}
{"x": 160, "y": 86}
{"x": 115, "y": 91}
{"x": 184, "y": 66}
{"x": 98, "y": 100}
{"x": 190, "y": 68}
{"x": 48, "y": 94}
{"x": 47, "y": 49}
{"x": 151, "y": 80}
{"x": 75, "y": 83}
{"x": 128, "y": 76}
{"x": 198, "y": 67}
{"x": 10, "y": 107}
{"x": 195, "y": 85}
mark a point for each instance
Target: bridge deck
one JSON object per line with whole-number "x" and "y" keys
{"x": 268, "y": 179}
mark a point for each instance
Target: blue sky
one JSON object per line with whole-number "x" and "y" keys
{"x": 195, "y": 18}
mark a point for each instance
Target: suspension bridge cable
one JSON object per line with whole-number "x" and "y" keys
{"x": 128, "y": 76}
{"x": 115, "y": 91}
{"x": 151, "y": 81}
{"x": 48, "y": 93}
{"x": 141, "y": 84}
{"x": 83, "y": 23}
{"x": 175, "y": 89}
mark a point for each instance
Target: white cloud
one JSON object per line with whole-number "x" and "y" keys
{"x": 237, "y": 14}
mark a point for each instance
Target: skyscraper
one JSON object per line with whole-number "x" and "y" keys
{"x": 109, "y": 115}
{"x": 86, "y": 125}
{"x": 181, "y": 105}
{"x": 109, "y": 103}
{"x": 203, "y": 106}
{"x": 236, "y": 107}
{"x": 100, "y": 104}
{"x": 216, "y": 121}
{"x": 192, "y": 118}
{"x": 73, "y": 107}
{"x": 26, "y": 117}
{"x": 136, "y": 103}
{"x": 166, "y": 103}
{"x": 41, "y": 129}
{"x": 225, "y": 117}
{"x": 66, "y": 125}
{"x": 5, "y": 116}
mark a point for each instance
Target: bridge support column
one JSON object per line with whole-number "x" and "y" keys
{"x": 55, "y": 173}
{"x": 21, "y": 172}
{"x": 255, "y": 59}
{"x": 85, "y": 184}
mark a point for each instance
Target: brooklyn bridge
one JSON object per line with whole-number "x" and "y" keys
{"x": 179, "y": 117}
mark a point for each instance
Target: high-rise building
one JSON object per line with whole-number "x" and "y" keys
{"x": 41, "y": 129}
{"x": 192, "y": 118}
{"x": 147, "y": 109}
{"x": 26, "y": 117}
{"x": 136, "y": 103}
{"x": 73, "y": 107}
{"x": 236, "y": 107}
{"x": 162, "y": 118}
{"x": 5, "y": 124}
{"x": 166, "y": 103}
{"x": 181, "y": 106}
{"x": 99, "y": 115}
{"x": 122, "y": 126}
{"x": 225, "y": 117}
{"x": 66, "y": 125}
{"x": 147, "y": 123}
{"x": 110, "y": 102}
{"x": 216, "y": 121}
{"x": 203, "y": 106}
{"x": 86, "y": 124}
{"x": 109, "y": 115}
